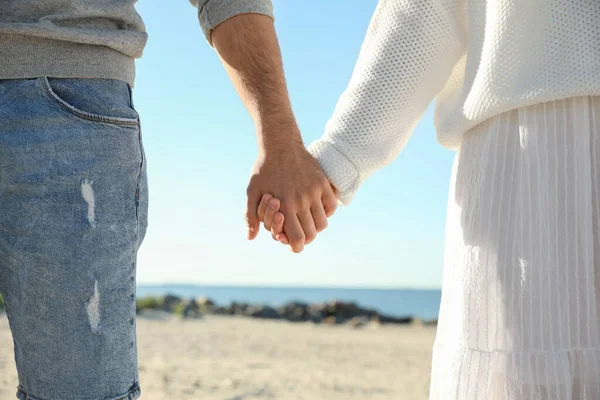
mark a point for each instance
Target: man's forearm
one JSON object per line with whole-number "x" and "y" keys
{"x": 248, "y": 47}
{"x": 249, "y": 50}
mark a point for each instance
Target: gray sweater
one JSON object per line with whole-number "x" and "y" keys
{"x": 89, "y": 39}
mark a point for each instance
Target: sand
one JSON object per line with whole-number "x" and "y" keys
{"x": 231, "y": 358}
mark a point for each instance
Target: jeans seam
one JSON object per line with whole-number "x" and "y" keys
{"x": 138, "y": 186}
{"x": 133, "y": 393}
{"x": 140, "y": 170}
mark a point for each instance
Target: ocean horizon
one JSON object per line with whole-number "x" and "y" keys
{"x": 399, "y": 302}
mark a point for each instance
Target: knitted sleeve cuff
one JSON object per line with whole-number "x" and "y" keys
{"x": 340, "y": 171}
{"x": 213, "y": 12}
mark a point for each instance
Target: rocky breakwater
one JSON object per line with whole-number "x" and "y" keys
{"x": 331, "y": 313}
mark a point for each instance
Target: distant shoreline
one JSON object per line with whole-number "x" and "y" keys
{"x": 333, "y": 312}
{"x": 420, "y": 303}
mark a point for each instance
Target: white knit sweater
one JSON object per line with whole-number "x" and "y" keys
{"x": 477, "y": 58}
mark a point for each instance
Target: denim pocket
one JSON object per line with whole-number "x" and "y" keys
{"x": 97, "y": 100}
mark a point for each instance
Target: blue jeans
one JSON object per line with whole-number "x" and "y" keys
{"x": 73, "y": 213}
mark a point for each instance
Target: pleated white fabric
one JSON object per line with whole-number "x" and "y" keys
{"x": 520, "y": 312}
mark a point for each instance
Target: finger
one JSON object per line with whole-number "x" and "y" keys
{"x": 308, "y": 226}
{"x": 251, "y": 215}
{"x": 330, "y": 201}
{"x": 282, "y": 237}
{"x": 272, "y": 209}
{"x": 294, "y": 232}
{"x": 277, "y": 227}
{"x": 319, "y": 216}
{"x": 262, "y": 207}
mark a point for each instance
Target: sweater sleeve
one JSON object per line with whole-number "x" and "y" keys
{"x": 213, "y": 12}
{"x": 408, "y": 54}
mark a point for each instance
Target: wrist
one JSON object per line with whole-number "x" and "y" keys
{"x": 277, "y": 135}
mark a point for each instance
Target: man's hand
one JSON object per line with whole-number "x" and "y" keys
{"x": 248, "y": 48}
{"x": 301, "y": 190}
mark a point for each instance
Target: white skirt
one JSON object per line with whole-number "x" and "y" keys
{"x": 520, "y": 311}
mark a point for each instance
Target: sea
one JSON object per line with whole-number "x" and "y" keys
{"x": 420, "y": 303}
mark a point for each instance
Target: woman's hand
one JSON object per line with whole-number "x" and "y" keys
{"x": 268, "y": 213}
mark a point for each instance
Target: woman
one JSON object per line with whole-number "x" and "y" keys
{"x": 516, "y": 84}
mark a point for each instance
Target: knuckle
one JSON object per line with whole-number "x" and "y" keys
{"x": 268, "y": 214}
{"x": 304, "y": 202}
{"x": 278, "y": 218}
{"x": 322, "y": 226}
{"x": 262, "y": 207}
{"x": 273, "y": 202}
{"x": 287, "y": 207}
{"x": 298, "y": 239}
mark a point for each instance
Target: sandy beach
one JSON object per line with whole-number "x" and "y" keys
{"x": 236, "y": 358}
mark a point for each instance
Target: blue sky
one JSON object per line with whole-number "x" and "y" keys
{"x": 200, "y": 145}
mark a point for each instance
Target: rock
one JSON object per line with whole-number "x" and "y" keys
{"x": 330, "y": 320}
{"x": 342, "y": 309}
{"x": 345, "y": 311}
{"x": 191, "y": 310}
{"x": 205, "y": 304}
{"x": 294, "y": 311}
{"x": 316, "y": 312}
{"x": 334, "y": 312}
{"x": 220, "y": 311}
{"x": 430, "y": 322}
{"x": 385, "y": 319}
{"x": 169, "y": 302}
{"x": 238, "y": 308}
{"x": 358, "y": 322}
{"x": 262, "y": 311}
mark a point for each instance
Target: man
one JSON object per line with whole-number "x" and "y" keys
{"x": 73, "y": 192}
